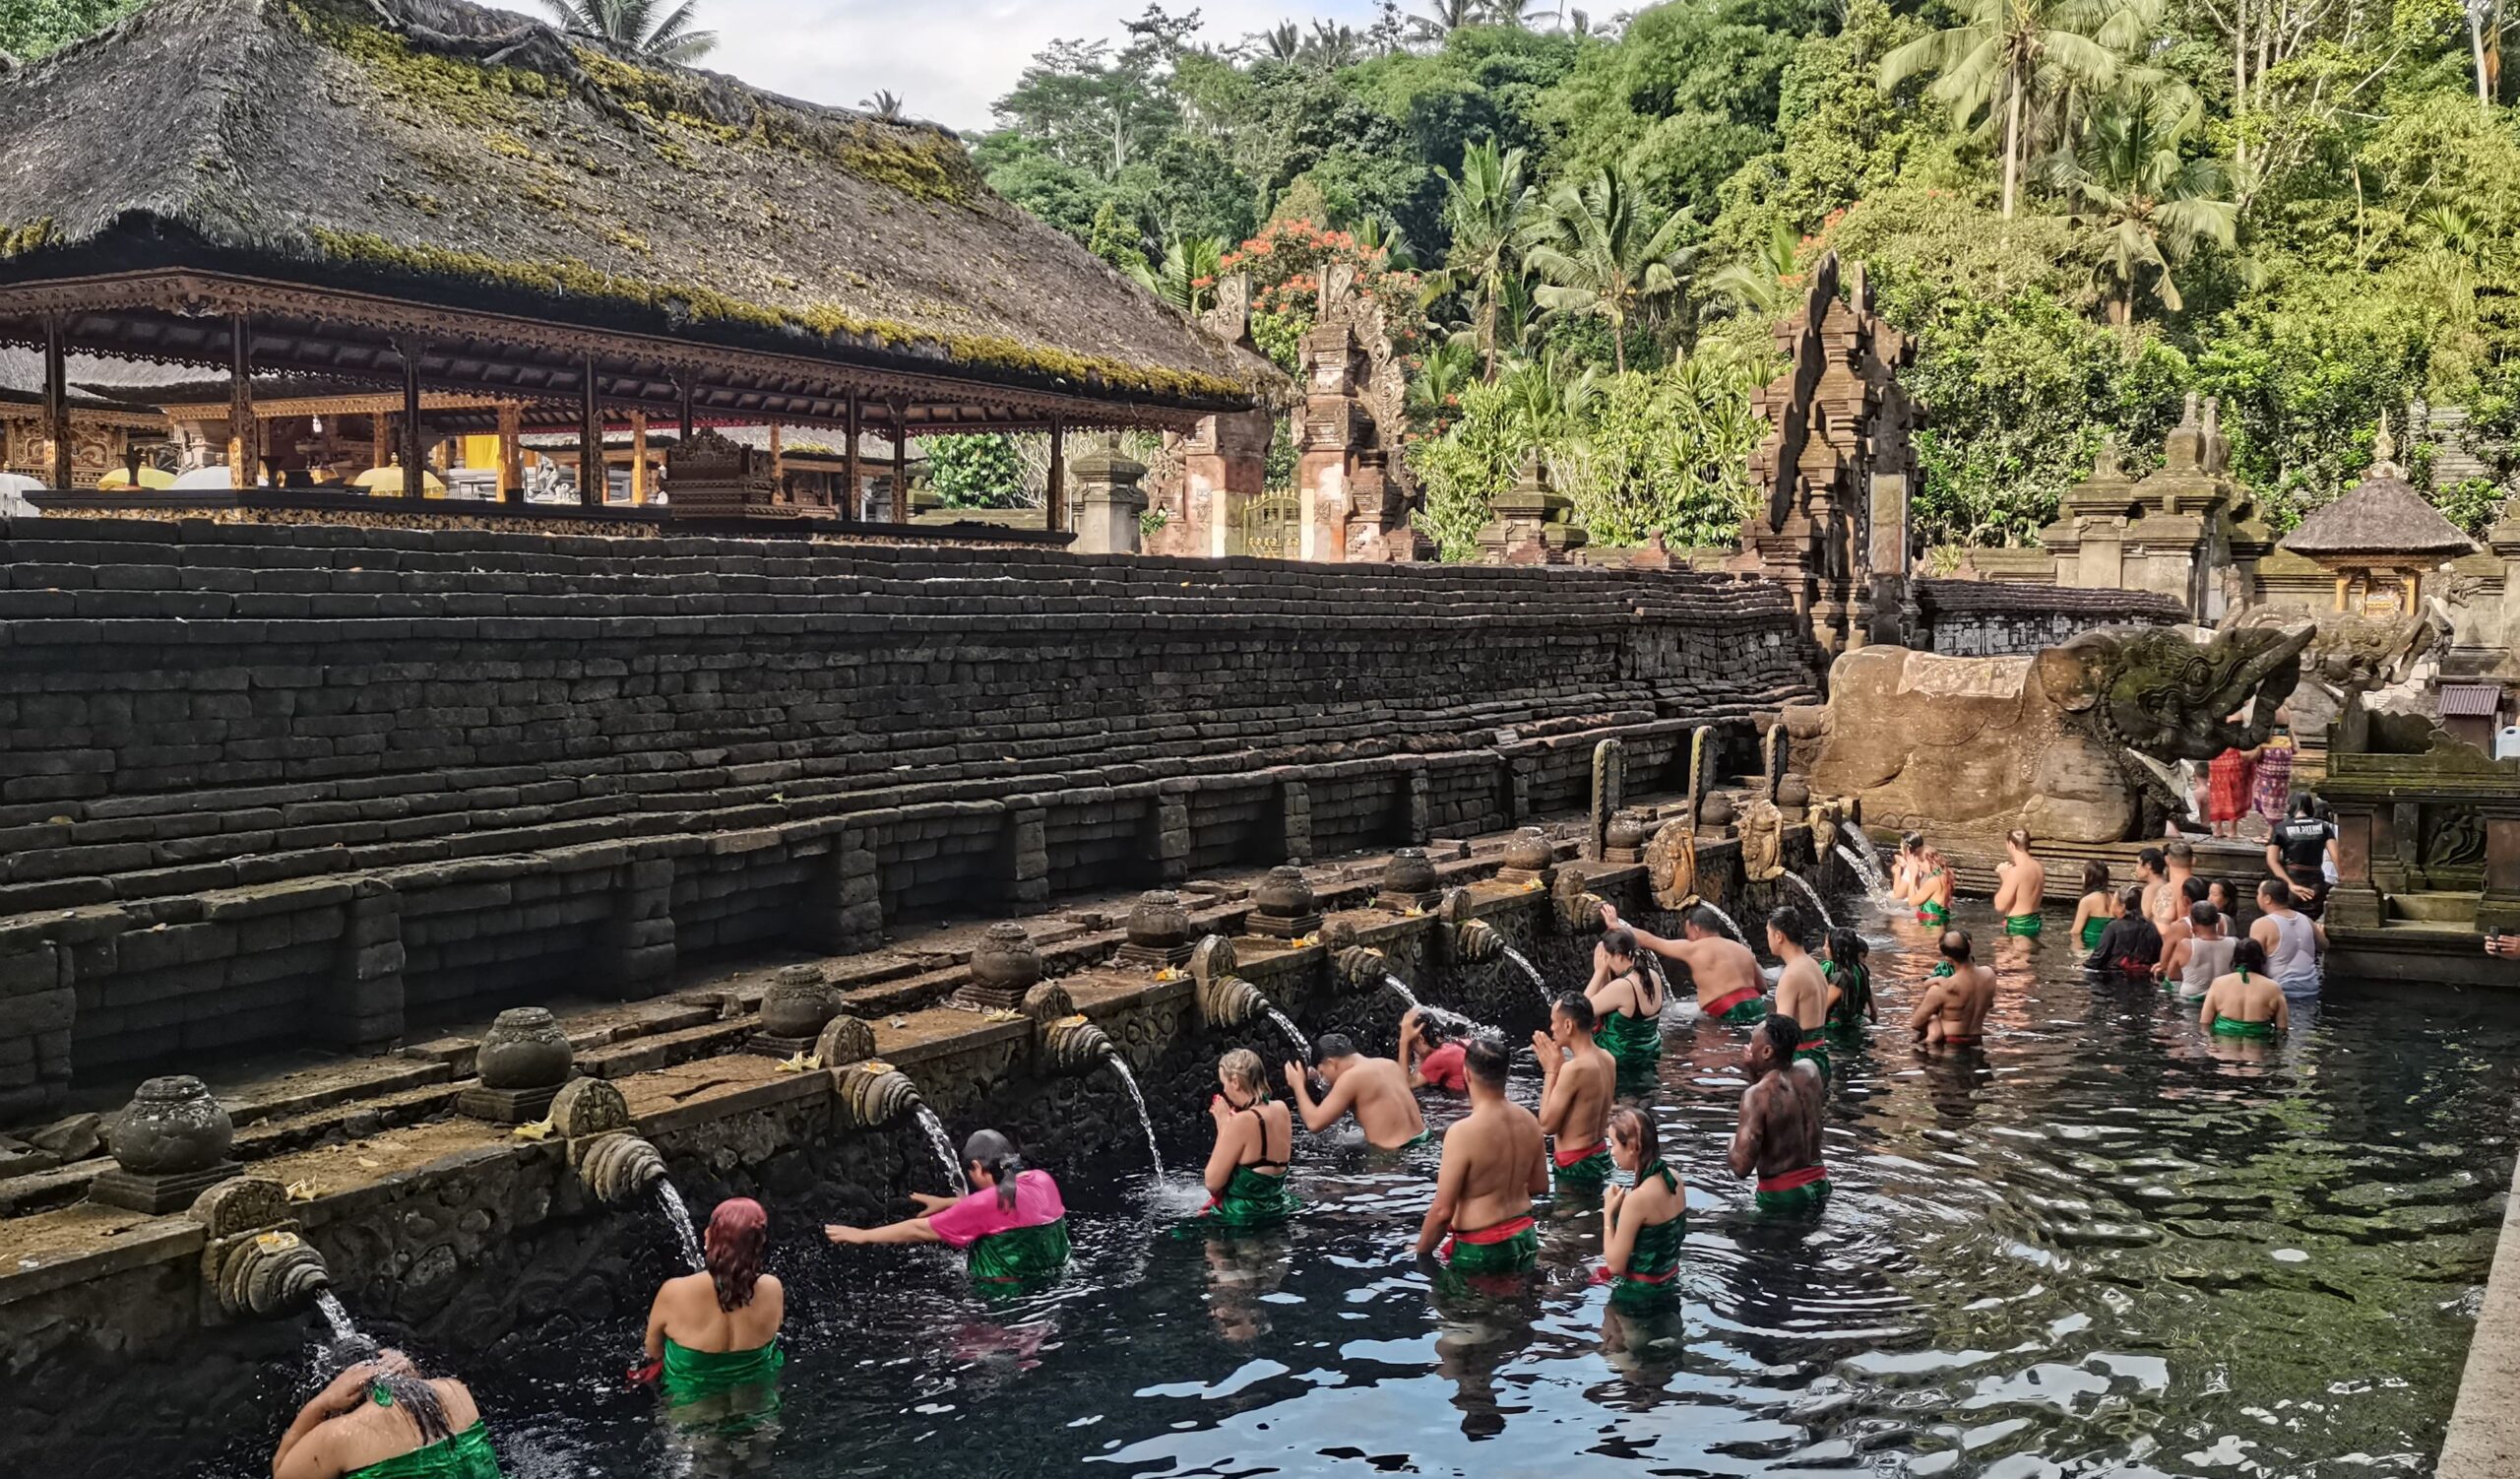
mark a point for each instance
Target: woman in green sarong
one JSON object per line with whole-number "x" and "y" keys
{"x": 1246, "y": 1173}
{"x": 713, "y": 1337}
{"x": 1012, "y": 1227}
{"x": 1627, "y": 997}
{"x": 2098, "y": 906}
{"x": 1850, "y": 977}
{"x": 381, "y": 1419}
{"x": 1642, "y": 1226}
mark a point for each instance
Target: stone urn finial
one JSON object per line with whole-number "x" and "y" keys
{"x": 1004, "y": 966}
{"x": 1158, "y": 931}
{"x": 1529, "y": 858}
{"x": 1409, "y": 882}
{"x": 1283, "y": 906}
{"x": 522, "y": 1062}
{"x": 169, "y": 1146}
{"x": 793, "y": 1011}
{"x": 1623, "y": 841}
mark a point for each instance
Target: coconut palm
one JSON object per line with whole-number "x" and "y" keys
{"x": 1442, "y": 18}
{"x": 1433, "y": 393}
{"x": 636, "y": 25}
{"x": 2148, "y": 204}
{"x": 1601, "y": 251}
{"x": 2009, "y": 54}
{"x": 886, "y": 105}
{"x": 1487, "y": 209}
{"x": 1187, "y": 278}
{"x": 1759, "y": 283}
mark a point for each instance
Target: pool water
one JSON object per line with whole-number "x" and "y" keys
{"x": 2109, "y": 1245}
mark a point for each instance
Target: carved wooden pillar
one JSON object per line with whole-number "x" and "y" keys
{"x": 639, "y": 457}
{"x": 415, "y": 462}
{"x": 592, "y": 480}
{"x": 511, "y": 452}
{"x": 901, "y": 463}
{"x": 57, "y": 401}
{"x": 380, "y": 437}
{"x": 682, "y": 385}
{"x": 244, "y": 432}
{"x": 1054, "y": 501}
{"x": 853, "y": 422}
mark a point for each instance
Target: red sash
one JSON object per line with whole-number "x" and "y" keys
{"x": 1602, "y": 1275}
{"x": 1729, "y": 999}
{"x": 1564, "y": 1159}
{"x": 1792, "y": 1179}
{"x": 1971, "y": 1039}
{"x": 1510, "y": 1228}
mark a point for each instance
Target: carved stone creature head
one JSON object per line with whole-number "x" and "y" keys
{"x": 2153, "y": 690}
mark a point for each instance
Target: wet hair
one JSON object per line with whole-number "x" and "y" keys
{"x": 406, "y": 1390}
{"x": 2248, "y": 955}
{"x": 2095, "y": 877}
{"x": 1787, "y": 921}
{"x": 1784, "y": 1035}
{"x": 2203, "y": 916}
{"x": 1704, "y": 918}
{"x": 2149, "y": 860}
{"x": 1956, "y": 945}
{"x": 995, "y": 1154}
{"x": 2131, "y": 898}
{"x": 737, "y": 1232}
{"x": 1433, "y": 1029}
{"x": 2019, "y": 837}
{"x": 2278, "y": 893}
{"x": 2231, "y": 895}
{"x": 2179, "y": 852}
{"x": 1242, "y": 1068}
{"x": 1579, "y": 1010}
{"x": 1633, "y": 1127}
{"x": 1332, "y": 1045}
{"x": 1847, "y": 947}
{"x": 1620, "y": 943}
{"x": 2193, "y": 889}
{"x": 1485, "y": 1058}
{"x": 1912, "y": 842}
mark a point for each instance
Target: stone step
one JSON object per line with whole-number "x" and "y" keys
{"x": 2433, "y": 908}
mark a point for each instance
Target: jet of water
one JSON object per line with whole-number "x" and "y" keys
{"x": 1294, "y": 1034}
{"x": 944, "y": 1149}
{"x": 1813, "y": 894}
{"x": 1129, "y": 1081}
{"x": 343, "y": 1328}
{"x": 1862, "y": 871}
{"x": 1400, "y": 989}
{"x": 1724, "y": 918}
{"x": 678, "y": 1217}
{"x": 1532, "y": 970}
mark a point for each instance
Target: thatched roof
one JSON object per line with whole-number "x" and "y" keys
{"x": 2382, "y": 515}
{"x": 441, "y": 152}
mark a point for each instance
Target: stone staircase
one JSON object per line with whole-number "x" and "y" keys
{"x": 2453, "y": 461}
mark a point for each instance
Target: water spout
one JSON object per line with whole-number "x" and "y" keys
{"x": 1724, "y": 920}
{"x": 678, "y": 1218}
{"x": 1862, "y": 871}
{"x": 1813, "y": 894}
{"x": 944, "y": 1149}
{"x": 1145, "y": 1122}
{"x": 344, "y": 1330}
{"x": 1537, "y": 983}
{"x": 1400, "y": 989}
{"x": 1294, "y": 1035}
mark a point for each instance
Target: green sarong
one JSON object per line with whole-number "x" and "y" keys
{"x": 1635, "y": 1042}
{"x": 1798, "y": 1193}
{"x": 2225, "y": 1027}
{"x": 1253, "y": 1198}
{"x": 1507, "y": 1247}
{"x": 724, "y": 1391}
{"x": 465, "y": 1456}
{"x": 2027, "y": 925}
{"x": 1932, "y": 913}
{"x": 2093, "y": 929}
{"x": 1589, "y": 1172}
{"x": 1847, "y": 1014}
{"x": 1020, "y": 1254}
{"x": 1817, "y": 1051}
{"x": 1738, "y": 1007}
{"x": 1654, "y": 1264}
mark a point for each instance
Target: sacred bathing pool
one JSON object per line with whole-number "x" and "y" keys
{"x": 425, "y": 899}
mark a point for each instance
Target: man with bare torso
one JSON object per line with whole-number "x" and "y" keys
{"x": 2021, "y": 886}
{"x": 1780, "y": 1134}
{"x": 1958, "y": 995}
{"x": 2149, "y": 873}
{"x": 1374, "y": 1089}
{"x": 1802, "y": 986}
{"x": 1578, "y": 1080}
{"x": 2170, "y": 904}
{"x": 1725, "y": 972}
{"x": 1494, "y": 1164}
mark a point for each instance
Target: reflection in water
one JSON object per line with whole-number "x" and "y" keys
{"x": 2106, "y": 1245}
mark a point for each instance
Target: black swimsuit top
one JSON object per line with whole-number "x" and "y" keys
{"x": 1253, "y": 1110}
{"x": 1636, "y": 980}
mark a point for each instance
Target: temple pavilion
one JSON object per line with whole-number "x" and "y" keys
{"x": 411, "y": 234}
{"x": 2380, "y": 542}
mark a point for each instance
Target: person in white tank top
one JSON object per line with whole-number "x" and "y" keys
{"x": 2205, "y": 953}
{"x": 2291, "y": 941}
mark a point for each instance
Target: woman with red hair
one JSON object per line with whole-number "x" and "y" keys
{"x": 716, "y": 1333}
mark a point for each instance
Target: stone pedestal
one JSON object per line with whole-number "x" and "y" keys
{"x": 1283, "y": 906}
{"x": 161, "y": 1194}
{"x": 1530, "y": 524}
{"x": 1108, "y": 501}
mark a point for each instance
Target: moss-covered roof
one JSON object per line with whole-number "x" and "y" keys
{"x": 474, "y": 157}
{"x": 2381, "y": 515}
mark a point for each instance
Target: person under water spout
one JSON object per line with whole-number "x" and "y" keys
{"x": 1779, "y": 1137}
{"x": 1494, "y": 1164}
{"x": 1726, "y": 975}
{"x": 1578, "y": 1082}
{"x": 713, "y": 1336}
{"x": 1377, "y": 1090}
{"x": 1952, "y": 1012}
{"x": 1430, "y": 1053}
{"x": 1932, "y": 887}
{"x": 381, "y": 1419}
{"x": 1246, "y": 1171}
{"x": 1012, "y": 1227}
{"x": 1627, "y": 997}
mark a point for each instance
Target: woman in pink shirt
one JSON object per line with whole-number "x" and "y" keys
{"x": 1012, "y": 1227}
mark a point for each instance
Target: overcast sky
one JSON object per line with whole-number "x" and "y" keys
{"x": 948, "y": 59}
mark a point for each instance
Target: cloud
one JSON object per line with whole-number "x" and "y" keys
{"x": 947, "y": 59}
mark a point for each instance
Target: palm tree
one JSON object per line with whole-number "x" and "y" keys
{"x": 1486, "y": 211}
{"x": 634, "y": 25}
{"x": 1282, "y": 42}
{"x": 1187, "y": 278}
{"x": 1758, "y": 284}
{"x": 1433, "y": 393}
{"x": 1602, "y": 252}
{"x": 2148, "y": 204}
{"x": 885, "y": 104}
{"x": 2008, "y": 52}
{"x": 1442, "y": 18}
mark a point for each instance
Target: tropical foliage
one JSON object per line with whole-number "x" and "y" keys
{"x": 642, "y": 26}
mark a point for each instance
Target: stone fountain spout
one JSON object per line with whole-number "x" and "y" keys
{"x": 594, "y": 1121}
{"x": 873, "y": 1094}
{"x": 1072, "y": 1047}
{"x": 1578, "y": 909}
{"x": 254, "y": 1261}
{"x": 1358, "y": 968}
{"x": 1467, "y": 938}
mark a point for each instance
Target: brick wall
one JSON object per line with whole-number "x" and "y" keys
{"x": 1981, "y": 619}
{"x": 365, "y": 778}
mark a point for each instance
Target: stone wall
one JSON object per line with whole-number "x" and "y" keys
{"x": 263, "y": 784}
{"x": 1982, "y": 618}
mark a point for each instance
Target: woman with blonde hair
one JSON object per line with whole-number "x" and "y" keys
{"x": 1246, "y": 1171}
